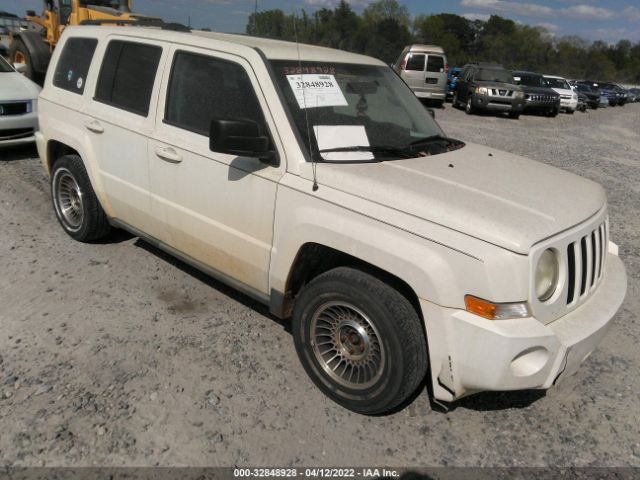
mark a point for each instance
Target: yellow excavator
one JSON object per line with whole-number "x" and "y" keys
{"x": 33, "y": 48}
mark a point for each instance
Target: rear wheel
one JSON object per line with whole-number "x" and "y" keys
{"x": 360, "y": 341}
{"x": 75, "y": 203}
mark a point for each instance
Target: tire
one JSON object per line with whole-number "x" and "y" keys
{"x": 439, "y": 104}
{"x": 361, "y": 321}
{"x": 553, "y": 113}
{"x": 469, "y": 109}
{"x": 74, "y": 201}
{"x": 570, "y": 112}
{"x": 514, "y": 115}
{"x": 454, "y": 102}
{"x": 19, "y": 53}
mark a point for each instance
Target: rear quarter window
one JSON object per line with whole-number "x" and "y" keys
{"x": 73, "y": 66}
{"x": 128, "y": 75}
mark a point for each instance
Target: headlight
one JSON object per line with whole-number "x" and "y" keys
{"x": 482, "y": 91}
{"x": 547, "y": 275}
{"x": 519, "y": 95}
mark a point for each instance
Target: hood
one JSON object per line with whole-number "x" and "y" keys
{"x": 537, "y": 90}
{"x": 564, "y": 91}
{"x": 503, "y": 199}
{"x": 14, "y": 86}
{"x": 500, "y": 85}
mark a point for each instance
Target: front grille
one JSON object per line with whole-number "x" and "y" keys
{"x": 499, "y": 92}
{"x": 16, "y": 133}
{"x": 14, "y": 108}
{"x": 586, "y": 260}
{"x": 541, "y": 98}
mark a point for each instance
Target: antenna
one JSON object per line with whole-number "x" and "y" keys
{"x": 314, "y": 163}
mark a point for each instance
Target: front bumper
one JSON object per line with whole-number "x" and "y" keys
{"x": 473, "y": 354}
{"x": 11, "y": 123}
{"x": 497, "y": 103}
{"x": 569, "y": 104}
{"x": 430, "y": 95}
{"x": 534, "y": 105}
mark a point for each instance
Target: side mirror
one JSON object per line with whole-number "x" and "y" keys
{"x": 239, "y": 137}
{"x": 20, "y": 67}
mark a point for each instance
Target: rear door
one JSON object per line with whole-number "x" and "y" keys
{"x": 414, "y": 70}
{"x": 120, "y": 119}
{"x": 435, "y": 78}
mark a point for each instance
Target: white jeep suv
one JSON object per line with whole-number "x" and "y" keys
{"x": 316, "y": 182}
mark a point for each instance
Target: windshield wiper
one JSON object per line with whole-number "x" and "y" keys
{"x": 432, "y": 139}
{"x": 382, "y": 149}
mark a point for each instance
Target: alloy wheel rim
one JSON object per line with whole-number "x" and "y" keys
{"x": 347, "y": 345}
{"x": 69, "y": 200}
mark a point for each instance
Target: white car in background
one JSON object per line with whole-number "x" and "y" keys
{"x": 568, "y": 97}
{"x": 18, "y": 107}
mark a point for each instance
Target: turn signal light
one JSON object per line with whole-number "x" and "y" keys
{"x": 495, "y": 311}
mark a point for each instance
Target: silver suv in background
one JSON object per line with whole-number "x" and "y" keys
{"x": 424, "y": 68}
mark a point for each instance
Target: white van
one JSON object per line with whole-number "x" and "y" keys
{"x": 425, "y": 69}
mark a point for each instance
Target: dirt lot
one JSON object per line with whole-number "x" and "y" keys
{"x": 115, "y": 354}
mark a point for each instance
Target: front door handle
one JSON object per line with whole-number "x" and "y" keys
{"x": 94, "y": 126}
{"x": 168, "y": 154}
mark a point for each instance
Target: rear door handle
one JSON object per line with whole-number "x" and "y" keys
{"x": 94, "y": 126}
{"x": 168, "y": 154}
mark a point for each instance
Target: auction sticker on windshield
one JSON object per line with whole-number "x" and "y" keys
{"x": 314, "y": 91}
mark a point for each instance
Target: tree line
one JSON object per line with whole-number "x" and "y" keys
{"x": 386, "y": 27}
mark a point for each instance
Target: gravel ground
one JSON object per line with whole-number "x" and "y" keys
{"x": 116, "y": 354}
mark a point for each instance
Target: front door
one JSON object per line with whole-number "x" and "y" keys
{"x": 218, "y": 209}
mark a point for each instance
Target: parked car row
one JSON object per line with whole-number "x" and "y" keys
{"x": 491, "y": 87}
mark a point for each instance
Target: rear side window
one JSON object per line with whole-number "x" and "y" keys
{"x": 203, "y": 88}
{"x": 73, "y": 65}
{"x": 415, "y": 62}
{"x": 127, "y": 76}
{"x": 435, "y": 64}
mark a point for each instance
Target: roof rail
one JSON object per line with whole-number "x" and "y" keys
{"x": 141, "y": 22}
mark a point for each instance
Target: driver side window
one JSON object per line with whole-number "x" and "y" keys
{"x": 202, "y": 88}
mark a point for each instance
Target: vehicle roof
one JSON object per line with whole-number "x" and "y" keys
{"x": 272, "y": 49}
{"x": 525, "y": 72}
{"x": 554, "y": 76}
{"x": 416, "y": 47}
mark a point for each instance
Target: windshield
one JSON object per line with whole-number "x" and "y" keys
{"x": 558, "y": 83}
{"x": 347, "y": 112}
{"x": 4, "y": 66}
{"x": 494, "y": 75}
{"x": 115, "y": 4}
{"x": 530, "y": 79}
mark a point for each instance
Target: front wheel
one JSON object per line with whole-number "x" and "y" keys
{"x": 360, "y": 341}
{"x": 75, "y": 203}
{"x": 469, "y": 109}
{"x": 514, "y": 115}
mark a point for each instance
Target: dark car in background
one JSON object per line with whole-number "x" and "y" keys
{"x": 538, "y": 96}
{"x": 635, "y": 94}
{"x": 487, "y": 87}
{"x": 605, "y": 90}
{"x": 592, "y": 97}
{"x": 452, "y": 81}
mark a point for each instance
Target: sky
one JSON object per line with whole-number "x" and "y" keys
{"x": 608, "y": 20}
